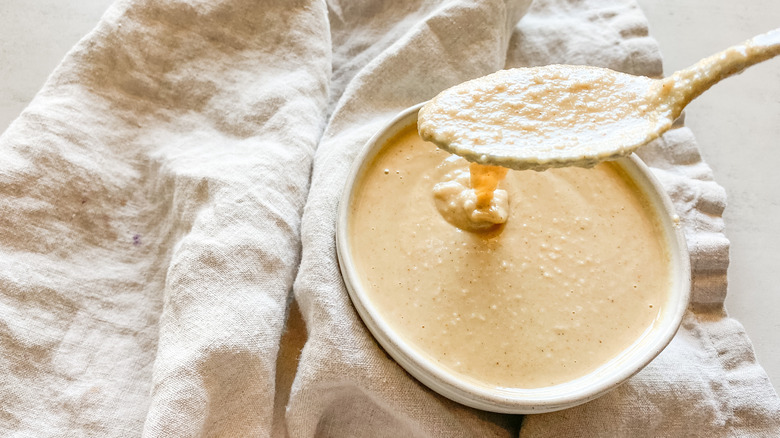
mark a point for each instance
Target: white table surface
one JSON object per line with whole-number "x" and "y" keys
{"x": 737, "y": 124}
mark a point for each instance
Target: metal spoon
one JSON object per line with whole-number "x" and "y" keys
{"x": 559, "y": 115}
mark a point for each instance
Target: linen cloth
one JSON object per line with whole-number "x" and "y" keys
{"x": 173, "y": 187}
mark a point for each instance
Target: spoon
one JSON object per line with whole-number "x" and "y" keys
{"x": 560, "y": 115}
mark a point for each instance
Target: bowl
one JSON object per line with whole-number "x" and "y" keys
{"x": 503, "y": 399}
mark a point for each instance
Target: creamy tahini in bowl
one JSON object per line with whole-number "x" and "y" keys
{"x": 583, "y": 284}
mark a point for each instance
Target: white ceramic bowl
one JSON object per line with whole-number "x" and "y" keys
{"x": 519, "y": 400}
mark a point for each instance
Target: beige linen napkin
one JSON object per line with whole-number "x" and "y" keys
{"x": 151, "y": 197}
{"x": 161, "y": 202}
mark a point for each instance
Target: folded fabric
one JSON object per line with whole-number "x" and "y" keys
{"x": 173, "y": 187}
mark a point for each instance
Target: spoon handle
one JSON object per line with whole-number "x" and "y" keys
{"x": 687, "y": 84}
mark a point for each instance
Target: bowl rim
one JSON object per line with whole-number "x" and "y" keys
{"x": 517, "y": 400}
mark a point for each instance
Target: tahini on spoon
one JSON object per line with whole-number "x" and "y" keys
{"x": 556, "y": 115}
